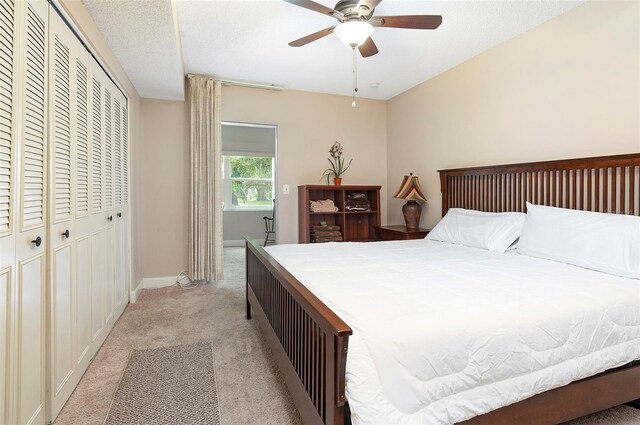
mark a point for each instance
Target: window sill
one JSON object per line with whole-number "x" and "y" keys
{"x": 248, "y": 209}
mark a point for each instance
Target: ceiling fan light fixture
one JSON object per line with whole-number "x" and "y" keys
{"x": 353, "y": 33}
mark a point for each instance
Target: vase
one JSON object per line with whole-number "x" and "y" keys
{"x": 411, "y": 211}
{"x": 337, "y": 181}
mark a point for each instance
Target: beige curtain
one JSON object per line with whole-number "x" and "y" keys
{"x": 205, "y": 215}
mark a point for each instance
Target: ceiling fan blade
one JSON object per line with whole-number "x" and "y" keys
{"x": 367, "y": 6}
{"x": 311, "y": 37}
{"x": 368, "y": 48}
{"x": 416, "y": 22}
{"x": 312, "y": 5}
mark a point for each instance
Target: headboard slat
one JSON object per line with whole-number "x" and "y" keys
{"x": 603, "y": 184}
{"x": 605, "y": 190}
{"x": 632, "y": 183}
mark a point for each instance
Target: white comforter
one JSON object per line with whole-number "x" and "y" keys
{"x": 442, "y": 333}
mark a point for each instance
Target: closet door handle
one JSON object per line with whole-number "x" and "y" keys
{"x": 66, "y": 233}
{"x": 110, "y": 218}
{"x": 37, "y": 241}
{"x": 119, "y": 214}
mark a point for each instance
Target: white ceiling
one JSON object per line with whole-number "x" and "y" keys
{"x": 246, "y": 40}
{"x": 141, "y": 35}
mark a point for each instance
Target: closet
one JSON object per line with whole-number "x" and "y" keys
{"x": 64, "y": 210}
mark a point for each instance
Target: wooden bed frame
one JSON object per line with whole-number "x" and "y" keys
{"x": 310, "y": 342}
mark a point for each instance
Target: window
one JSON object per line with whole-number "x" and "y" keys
{"x": 248, "y": 182}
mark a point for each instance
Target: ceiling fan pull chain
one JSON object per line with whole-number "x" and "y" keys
{"x": 355, "y": 77}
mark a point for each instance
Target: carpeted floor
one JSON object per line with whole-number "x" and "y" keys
{"x": 250, "y": 390}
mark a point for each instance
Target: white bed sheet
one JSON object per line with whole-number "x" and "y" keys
{"x": 472, "y": 330}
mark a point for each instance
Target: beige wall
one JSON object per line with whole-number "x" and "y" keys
{"x": 568, "y": 88}
{"x": 308, "y": 124}
{"x": 164, "y": 180}
{"x": 75, "y": 10}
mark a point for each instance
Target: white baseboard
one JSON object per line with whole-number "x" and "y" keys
{"x": 158, "y": 282}
{"x": 151, "y": 283}
{"x": 234, "y": 243}
{"x": 133, "y": 297}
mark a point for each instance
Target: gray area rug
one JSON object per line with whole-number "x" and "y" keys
{"x": 167, "y": 385}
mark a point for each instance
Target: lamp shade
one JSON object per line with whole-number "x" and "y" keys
{"x": 353, "y": 33}
{"x": 410, "y": 189}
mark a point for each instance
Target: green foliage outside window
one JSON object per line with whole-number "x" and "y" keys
{"x": 251, "y": 184}
{"x": 247, "y": 167}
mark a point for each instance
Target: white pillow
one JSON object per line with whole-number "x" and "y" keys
{"x": 492, "y": 231}
{"x": 609, "y": 243}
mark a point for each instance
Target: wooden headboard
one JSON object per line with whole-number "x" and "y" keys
{"x": 603, "y": 184}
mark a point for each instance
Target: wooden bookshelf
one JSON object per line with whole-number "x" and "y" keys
{"x": 356, "y": 226}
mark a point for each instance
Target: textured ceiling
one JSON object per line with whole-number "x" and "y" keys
{"x": 143, "y": 37}
{"x": 246, "y": 40}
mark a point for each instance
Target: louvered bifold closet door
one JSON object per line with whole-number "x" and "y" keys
{"x": 125, "y": 219}
{"x": 121, "y": 290}
{"x": 32, "y": 193}
{"x": 63, "y": 178}
{"x": 108, "y": 198}
{"x": 83, "y": 221}
{"x": 117, "y": 202}
{"x": 98, "y": 215}
{"x": 7, "y": 204}
{"x": 69, "y": 248}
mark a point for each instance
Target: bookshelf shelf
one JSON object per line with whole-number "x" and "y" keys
{"x": 356, "y": 226}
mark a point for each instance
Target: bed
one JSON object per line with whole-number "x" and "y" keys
{"x": 310, "y": 341}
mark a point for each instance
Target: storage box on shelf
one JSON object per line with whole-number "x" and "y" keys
{"x": 356, "y": 226}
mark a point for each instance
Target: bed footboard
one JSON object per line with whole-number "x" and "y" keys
{"x": 309, "y": 341}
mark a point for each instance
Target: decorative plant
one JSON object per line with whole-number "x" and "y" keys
{"x": 337, "y": 168}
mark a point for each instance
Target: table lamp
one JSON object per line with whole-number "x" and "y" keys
{"x": 411, "y": 192}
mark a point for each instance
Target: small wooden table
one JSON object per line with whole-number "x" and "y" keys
{"x": 399, "y": 232}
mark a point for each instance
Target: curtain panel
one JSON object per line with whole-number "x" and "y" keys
{"x": 205, "y": 145}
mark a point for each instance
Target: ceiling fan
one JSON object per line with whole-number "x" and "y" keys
{"x": 357, "y": 23}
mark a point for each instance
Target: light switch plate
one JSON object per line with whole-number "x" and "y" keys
{"x": 285, "y": 189}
